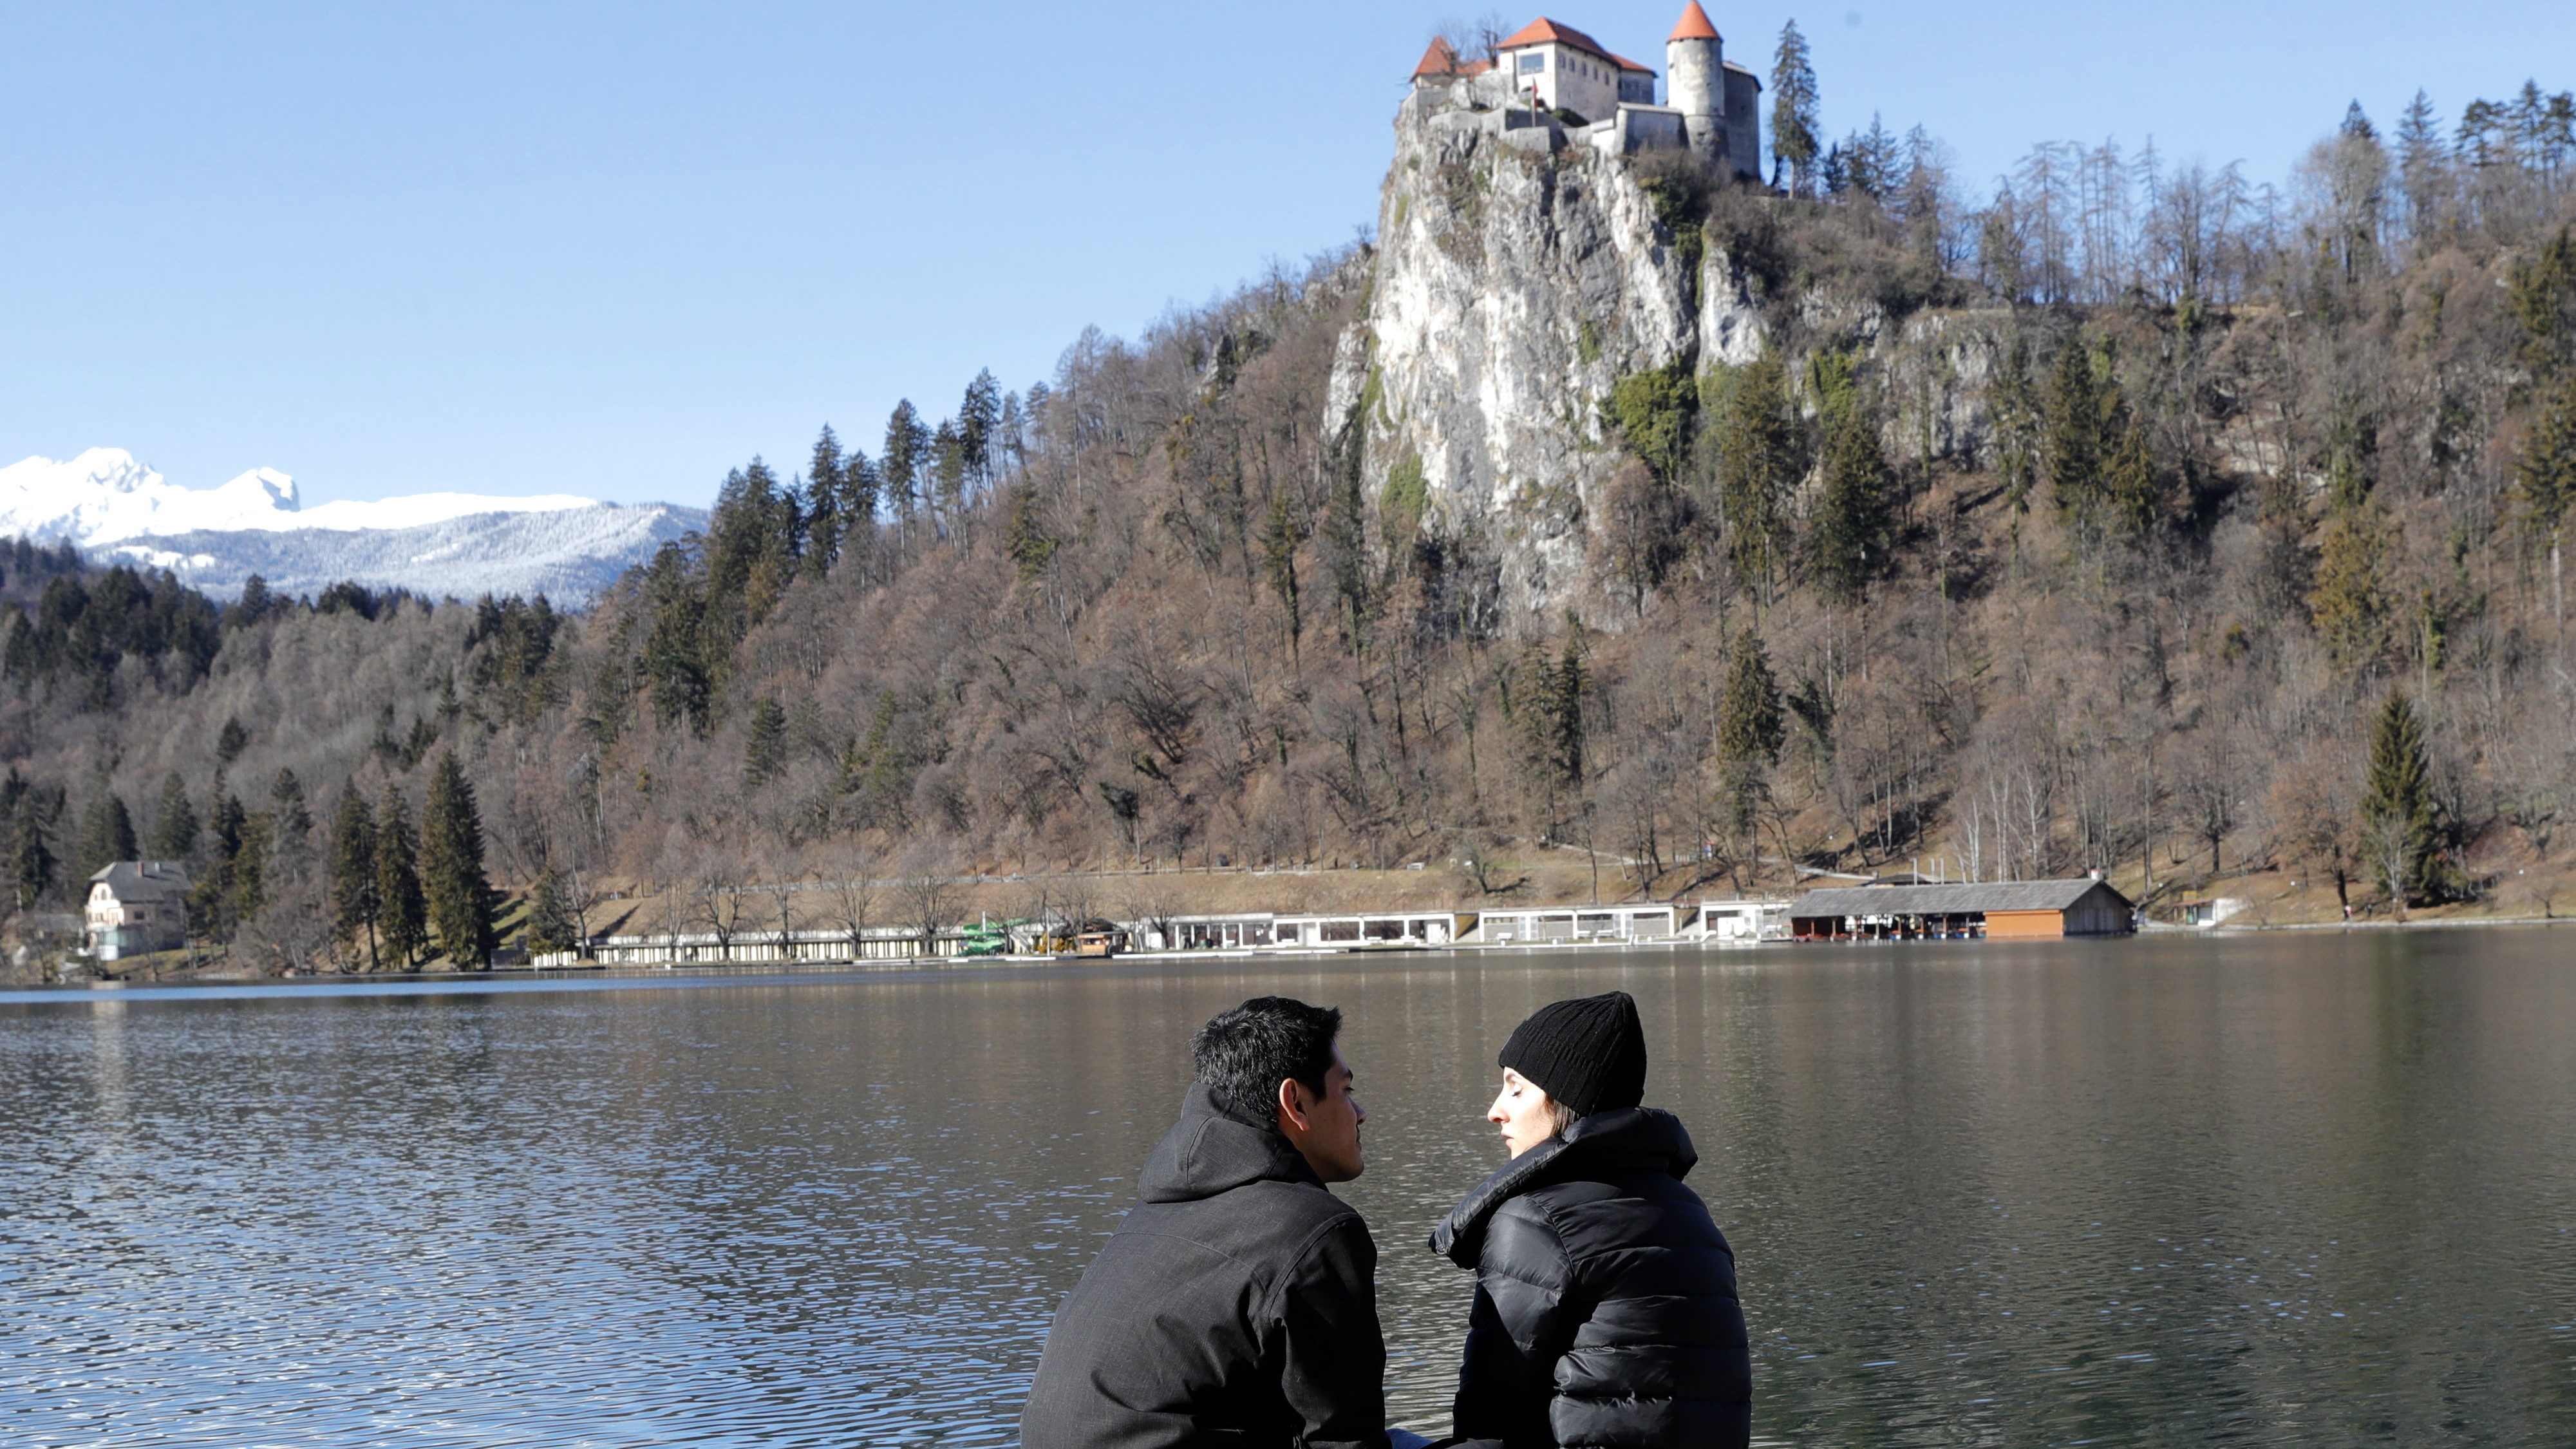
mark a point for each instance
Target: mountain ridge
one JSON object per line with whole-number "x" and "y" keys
{"x": 117, "y": 509}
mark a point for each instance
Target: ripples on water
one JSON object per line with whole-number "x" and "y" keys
{"x": 2309, "y": 1191}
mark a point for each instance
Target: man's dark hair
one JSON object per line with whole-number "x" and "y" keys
{"x": 1243, "y": 1055}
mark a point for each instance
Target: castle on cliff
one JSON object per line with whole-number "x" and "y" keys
{"x": 1551, "y": 85}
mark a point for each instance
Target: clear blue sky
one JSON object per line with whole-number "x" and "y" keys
{"x": 616, "y": 248}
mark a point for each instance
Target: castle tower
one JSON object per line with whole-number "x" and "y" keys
{"x": 1694, "y": 84}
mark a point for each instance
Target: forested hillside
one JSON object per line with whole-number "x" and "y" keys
{"x": 2131, "y": 516}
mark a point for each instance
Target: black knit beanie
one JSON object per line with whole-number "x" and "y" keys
{"x": 1588, "y": 1053}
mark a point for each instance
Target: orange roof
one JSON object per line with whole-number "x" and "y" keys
{"x": 1542, "y": 30}
{"x": 1624, "y": 63}
{"x": 1693, "y": 25}
{"x": 1442, "y": 59}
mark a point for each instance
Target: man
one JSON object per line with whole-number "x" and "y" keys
{"x": 1237, "y": 1303}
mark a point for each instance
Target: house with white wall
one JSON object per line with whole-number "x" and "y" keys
{"x": 1559, "y": 68}
{"x": 136, "y": 906}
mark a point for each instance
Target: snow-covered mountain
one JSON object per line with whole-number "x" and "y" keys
{"x": 113, "y": 507}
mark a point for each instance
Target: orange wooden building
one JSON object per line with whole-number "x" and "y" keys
{"x": 1991, "y": 910}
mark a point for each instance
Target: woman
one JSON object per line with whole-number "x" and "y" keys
{"x": 1605, "y": 1297}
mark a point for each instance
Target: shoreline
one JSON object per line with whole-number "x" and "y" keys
{"x": 1231, "y": 955}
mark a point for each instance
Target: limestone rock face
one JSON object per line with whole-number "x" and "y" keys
{"x": 1512, "y": 286}
{"x": 1520, "y": 272}
{"x": 1935, "y": 376}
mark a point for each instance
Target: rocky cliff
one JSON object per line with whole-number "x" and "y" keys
{"x": 1513, "y": 284}
{"x": 1519, "y": 274}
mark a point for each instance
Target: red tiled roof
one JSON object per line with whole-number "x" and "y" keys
{"x": 1543, "y": 30}
{"x": 1693, "y": 25}
{"x": 1442, "y": 59}
{"x": 1624, "y": 63}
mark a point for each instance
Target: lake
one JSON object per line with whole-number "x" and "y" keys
{"x": 2296, "y": 1189}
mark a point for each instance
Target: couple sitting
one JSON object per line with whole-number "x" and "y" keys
{"x": 1237, "y": 1303}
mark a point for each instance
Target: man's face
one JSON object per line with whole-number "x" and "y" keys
{"x": 1325, "y": 1129}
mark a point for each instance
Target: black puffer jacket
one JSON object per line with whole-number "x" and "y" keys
{"x": 1237, "y": 1304}
{"x": 1605, "y": 1297}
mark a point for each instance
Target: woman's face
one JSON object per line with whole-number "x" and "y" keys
{"x": 1526, "y": 1114}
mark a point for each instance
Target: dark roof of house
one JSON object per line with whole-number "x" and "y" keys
{"x": 144, "y": 880}
{"x": 1950, "y": 900}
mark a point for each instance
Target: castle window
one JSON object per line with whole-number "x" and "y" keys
{"x": 1533, "y": 61}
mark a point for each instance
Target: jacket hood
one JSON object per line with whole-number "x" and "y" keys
{"x": 1634, "y": 1138}
{"x": 1208, "y": 1152}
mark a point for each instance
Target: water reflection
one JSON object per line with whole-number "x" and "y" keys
{"x": 2283, "y": 1191}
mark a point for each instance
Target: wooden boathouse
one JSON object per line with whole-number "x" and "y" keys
{"x": 1991, "y": 910}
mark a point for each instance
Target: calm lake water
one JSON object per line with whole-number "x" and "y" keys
{"x": 2313, "y": 1189}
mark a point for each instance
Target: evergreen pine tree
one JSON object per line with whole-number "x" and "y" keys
{"x": 1794, "y": 141}
{"x": 862, "y": 485}
{"x": 107, "y": 834}
{"x": 1010, "y": 439}
{"x": 230, "y": 741}
{"x": 1749, "y": 722}
{"x": 1555, "y": 723}
{"x": 551, "y": 923}
{"x": 1566, "y": 689}
{"x": 1851, "y": 536}
{"x": 764, "y": 751}
{"x": 2131, "y": 495}
{"x": 751, "y": 548}
{"x": 402, "y": 918}
{"x": 823, "y": 498}
{"x": 1762, "y": 453}
{"x": 286, "y": 808}
{"x": 977, "y": 417}
{"x": 2071, "y": 437}
{"x": 1749, "y": 733}
{"x": 254, "y": 604}
{"x": 354, "y": 888}
{"x": 2543, "y": 295}
{"x": 459, "y": 896}
{"x": 680, "y": 658}
{"x": 31, "y": 859}
{"x": 899, "y": 466}
{"x": 1280, "y": 536}
{"x": 2350, "y": 602}
{"x": 2398, "y": 824}
{"x": 216, "y": 892}
{"x": 947, "y": 473}
{"x": 2422, "y": 169}
{"x": 1024, "y": 535}
{"x": 2545, "y": 474}
{"x": 248, "y": 875}
{"x": 174, "y": 823}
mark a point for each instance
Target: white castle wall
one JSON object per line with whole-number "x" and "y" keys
{"x": 1568, "y": 79}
